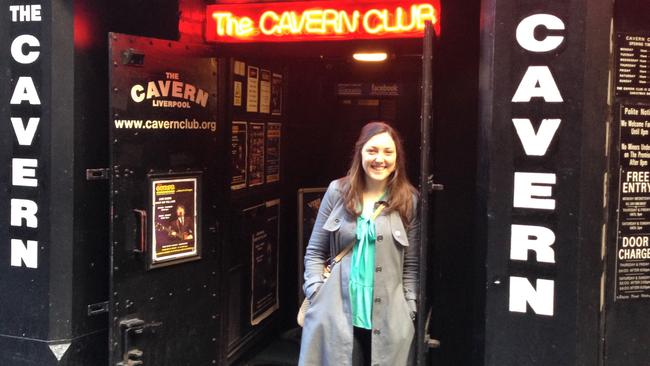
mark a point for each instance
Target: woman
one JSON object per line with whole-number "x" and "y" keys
{"x": 369, "y": 299}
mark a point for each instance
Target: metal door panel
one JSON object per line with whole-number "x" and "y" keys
{"x": 164, "y": 315}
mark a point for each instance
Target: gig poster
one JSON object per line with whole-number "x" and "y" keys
{"x": 276, "y": 95}
{"x": 262, "y": 223}
{"x": 265, "y": 91}
{"x": 174, "y": 219}
{"x": 273, "y": 135}
{"x": 238, "y": 155}
{"x": 252, "y": 89}
{"x": 256, "y": 138}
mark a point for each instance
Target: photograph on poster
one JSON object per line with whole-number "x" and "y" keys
{"x": 256, "y": 138}
{"x": 273, "y": 136}
{"x": 238, "y": 154}
{"x": 252, "y": 89}
{"x": 174, "y": 219}
{"x": 262, "y": 223}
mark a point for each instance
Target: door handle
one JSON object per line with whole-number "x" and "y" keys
{"x": 428, "y": 341}
{"x": 130, "y": 328}
{"x": 141, "y": 231}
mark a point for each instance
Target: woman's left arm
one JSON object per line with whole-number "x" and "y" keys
{"x": 411, "y": 276}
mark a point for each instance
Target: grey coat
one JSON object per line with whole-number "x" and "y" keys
{"x": 327, "y": 333}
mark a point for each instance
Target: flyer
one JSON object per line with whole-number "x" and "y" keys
{"x": 237, "y": 93}
{"x": 238, "y": 154}
{"x": 262, "y": 222}
{"x": 174, "y": 219}
{"x": 252, "y": 89}
{"x": 265, "y": 91}
{"x": 273, "y": 135}
{"x": 256, "y": 154}
{"x": 276, "y": 95}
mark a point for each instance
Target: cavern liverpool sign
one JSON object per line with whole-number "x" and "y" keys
{"x": 319, "y": 20}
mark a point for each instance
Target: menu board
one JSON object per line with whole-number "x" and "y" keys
{"x": 632, "y": 65}
{"x": 633, "y": 239}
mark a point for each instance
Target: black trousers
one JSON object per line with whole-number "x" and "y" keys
{"x": 361, "y": 350}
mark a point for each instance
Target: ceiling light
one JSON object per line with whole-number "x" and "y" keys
{"x": 370, "y": 57}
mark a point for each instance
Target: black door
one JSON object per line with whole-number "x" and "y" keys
{"x": 166, "y": 179}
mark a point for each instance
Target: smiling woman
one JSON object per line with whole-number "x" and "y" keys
{"x": 365, "y": 311}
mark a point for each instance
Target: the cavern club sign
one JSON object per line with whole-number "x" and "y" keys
{"x": 319, "y": 20}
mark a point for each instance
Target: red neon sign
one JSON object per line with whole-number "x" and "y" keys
{"x": 320, "y": 20}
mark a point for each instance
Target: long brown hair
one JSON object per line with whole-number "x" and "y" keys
{"x": 399, "y": 189}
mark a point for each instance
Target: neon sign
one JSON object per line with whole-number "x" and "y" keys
{"x": 319, "y": 20}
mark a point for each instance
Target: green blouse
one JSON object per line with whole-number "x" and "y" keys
{"x": 362, "y": 273}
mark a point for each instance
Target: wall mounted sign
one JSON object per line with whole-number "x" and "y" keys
{"x": 633, "y": 239}
{"x": 632, "y": 65}
{"x": 319, "y": 20}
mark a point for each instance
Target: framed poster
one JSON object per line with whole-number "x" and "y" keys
{"x": 273, "y": 136}
{"x": 175, "y": 219}
{"x": 238, "y": 155}
{"x": 252, "y": 89}
{"x": 265, "y": 91}
{"x": 276, "y": 95}
{"x": 263, "y": 230}
{"x": 256, "y": 137}
{"x": 309, "y": 200}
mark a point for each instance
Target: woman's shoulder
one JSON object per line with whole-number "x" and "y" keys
{"x": 338, "y": 186}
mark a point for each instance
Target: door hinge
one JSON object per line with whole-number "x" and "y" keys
{"x": 98, "y": 174}
{"x": 98, "y": 308}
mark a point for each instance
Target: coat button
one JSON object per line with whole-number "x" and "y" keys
{"x": 378, "y": 269}
{"x": 398, "y": 233}
{"x": 380, "y": 237}
{"x": 337, "y": 221}
{"x": 378, "y": 300}
{"x": 376, "y": 332}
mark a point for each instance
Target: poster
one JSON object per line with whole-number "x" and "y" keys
{"x": 256, "y": 154}
{"x": 238, "y": 154}
{"x": 174, "y": 219}
{"x": 263, "y": 222}
{"x": 237, "y": 93}
{"x": 633, "y": 239}
{"x": 265, "y": 91}
{"x": 252, "y": 89}
{"x": 239, "y": 68}
{"x": 273, "y": 135}
{"x": 276, "y": 95}
{"x": 632, "y": 65}
{"x": 309, "y": 200}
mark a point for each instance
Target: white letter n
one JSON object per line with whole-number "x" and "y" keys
{"x": 21, "y": 253}
{"x": 540, "y": 299}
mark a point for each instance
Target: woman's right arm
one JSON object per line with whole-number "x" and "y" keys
{"x": 318, "y": 249}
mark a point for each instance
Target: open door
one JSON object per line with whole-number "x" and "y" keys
{"x": 427, "y": 185}
{"x": 165, "y": 187}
